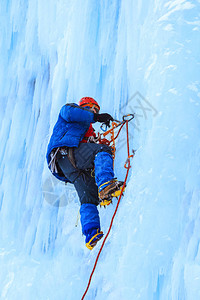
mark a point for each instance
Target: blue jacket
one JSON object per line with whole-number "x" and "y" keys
{"x": 70, "y": 128}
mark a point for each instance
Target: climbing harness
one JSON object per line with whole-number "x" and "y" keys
{"x": 127, "y": 166}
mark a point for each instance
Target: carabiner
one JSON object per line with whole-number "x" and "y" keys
{"x": 104, "y": 127}
{"x": 130, "y": 116}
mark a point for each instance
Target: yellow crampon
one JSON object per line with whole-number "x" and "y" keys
{"x": 106, "y": 202}
{"x": 93, "y": 241}
{"x": 118, "y": 193}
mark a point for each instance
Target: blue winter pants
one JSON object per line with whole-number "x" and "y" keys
{"x": 87, "y": 156}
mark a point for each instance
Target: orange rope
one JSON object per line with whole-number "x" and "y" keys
{"x": 111, "y": 223}
{"x": 113, "y": 137}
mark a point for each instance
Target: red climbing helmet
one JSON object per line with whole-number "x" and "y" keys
{"x": 88, "y": 101}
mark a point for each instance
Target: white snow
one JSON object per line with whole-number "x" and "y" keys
{"x": 131, "y": 56}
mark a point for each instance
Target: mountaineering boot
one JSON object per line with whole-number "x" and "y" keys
{"x": 112, "y": 188}
{"x": 92, "y": 238}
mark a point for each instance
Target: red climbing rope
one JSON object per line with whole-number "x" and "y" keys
{"x": 111, "y": 223}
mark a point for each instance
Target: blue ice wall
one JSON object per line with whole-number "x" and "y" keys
{"x": 131, "y": 56}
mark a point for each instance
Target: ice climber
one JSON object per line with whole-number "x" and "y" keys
{"x": 74, "y": 154}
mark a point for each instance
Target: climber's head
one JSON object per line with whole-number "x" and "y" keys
{"x": 89, "y": 103}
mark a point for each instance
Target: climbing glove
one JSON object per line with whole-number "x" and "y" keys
{"x": 103, "y": 118}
